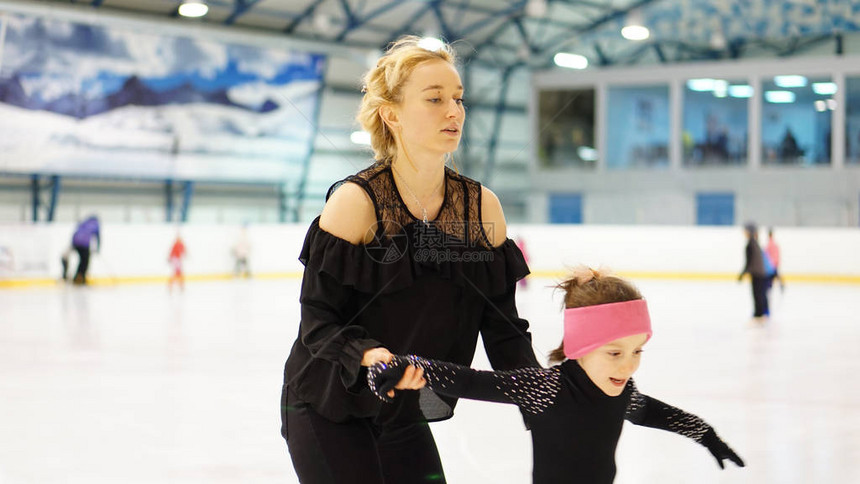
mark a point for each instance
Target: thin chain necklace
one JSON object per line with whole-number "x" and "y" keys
{"x": 420, "y": 205}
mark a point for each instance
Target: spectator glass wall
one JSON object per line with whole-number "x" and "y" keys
{"x": 638, "y": 127}
{"x": 715, "y": 122}
{"x": 796, "y": 120}
{"x": 566, "y": 128}
{"x": 686, "y": 122}
{"x": 852, "y": 118}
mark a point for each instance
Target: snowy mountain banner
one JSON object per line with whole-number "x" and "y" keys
{"x": 91, "y": 100}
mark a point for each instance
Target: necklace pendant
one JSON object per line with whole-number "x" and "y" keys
{"x": 424, "y": 213}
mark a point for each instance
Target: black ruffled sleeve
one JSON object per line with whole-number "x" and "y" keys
{"x": 324, "y": 329}
{"x": 506, "y": 336}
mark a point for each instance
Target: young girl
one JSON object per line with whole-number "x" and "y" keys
{"x": 575, "y": 409}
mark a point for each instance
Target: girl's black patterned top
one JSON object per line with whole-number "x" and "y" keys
{"x": 419, "y": 288}
{"x": 574, "y": 425}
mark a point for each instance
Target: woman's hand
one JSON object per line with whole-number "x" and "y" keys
{"x": 397, "y": 374}
{"x": 376, "y": 355}
{"x": 413, "y": 379}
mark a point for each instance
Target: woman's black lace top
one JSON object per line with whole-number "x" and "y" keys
{"x": 428, "y": 289}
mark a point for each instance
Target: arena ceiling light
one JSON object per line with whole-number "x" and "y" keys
{"x": 634, "y": 29}
{"x": 587, "y": 153}
{"x": 570, "y": 61}
{"x": 780, "y": 97}
{"x": 824, "y": 88}
{"x": 741, "y": 90}
{"x": 635, "y": 32}
{"x": 790, "y": 81}
{"x": 193, "y": 9}
{"x": 705, "y": 84}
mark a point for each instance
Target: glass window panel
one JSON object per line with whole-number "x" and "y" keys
{"x": 566, "y": 128}
{"x": 638, "y": 124}
{"x": 795, "y": 120}
{"x": 565, "y": 208}
{"x": 715, "y": 122}
{"x": 852, "y": 118}
{"x": 715, "y": 208}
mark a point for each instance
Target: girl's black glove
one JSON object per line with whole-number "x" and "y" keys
{"x": 383, "y": 377}
{"x": 719, "y": 449}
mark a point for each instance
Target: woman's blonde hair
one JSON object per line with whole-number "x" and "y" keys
{"x": 384, "y": 85}
{"x": 590, "y": 287}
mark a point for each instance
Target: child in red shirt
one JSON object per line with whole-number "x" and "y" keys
{"x": 177, "y": 253}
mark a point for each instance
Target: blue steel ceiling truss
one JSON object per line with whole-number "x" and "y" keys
{"x": 517, "y": 40}
{"x": 240, "y": 8}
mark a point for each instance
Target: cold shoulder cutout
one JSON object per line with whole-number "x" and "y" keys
{"x": 492, "y": 217}
{"x": 349, "y": 214}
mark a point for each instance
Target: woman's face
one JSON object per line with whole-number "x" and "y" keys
{"x": 429, "y": 119}
{"x": 611, "y": 365}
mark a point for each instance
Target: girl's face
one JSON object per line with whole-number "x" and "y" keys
{"x": 430, "y": 117}
{"x": 611, "y": 365}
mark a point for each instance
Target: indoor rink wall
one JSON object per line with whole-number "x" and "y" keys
{"x": 30, "y": 254}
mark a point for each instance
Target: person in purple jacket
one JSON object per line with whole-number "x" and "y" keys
{"x": 82, "y": 241}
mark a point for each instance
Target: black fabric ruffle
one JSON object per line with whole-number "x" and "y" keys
{"x": 394, "y": 263}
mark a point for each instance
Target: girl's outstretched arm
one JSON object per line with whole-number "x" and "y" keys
{"x": 532, "y": 389}
{"x": 650, "y": 412}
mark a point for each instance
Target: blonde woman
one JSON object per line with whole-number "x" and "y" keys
{"x": 408, "y": 256}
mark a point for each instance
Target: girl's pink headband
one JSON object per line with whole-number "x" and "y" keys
{"x": 590, "y": 327}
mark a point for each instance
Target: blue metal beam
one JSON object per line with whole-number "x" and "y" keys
{"x": 466, "y": 140}
{"x": 513, "y": 10}
{"x": 407, "y": 27}
{"x": 490, "y": 164}
{"x": 55, "y": 194}
{"x": 585, "y": 3}
{"x": 168, "y": 200}
{"x": 601, "y": 56}
{"x": 382, "y": 9}
{"x": 34, "y": 192}
{"x": 447, "y": 33}
{"x": 360, "y": 6}
{"x": 352, "y": 22}
{"x": 303, "y": 178}
{"x": 97, "y": 3}
{"x": 187, "y": 193}
{"x": 636, "y": 54}
{"x": 240, "y": 8}
{"x": 283, "y": 200}
{"x": 302, "y": 17}
{"x": 659, "y": 51}
{"x": 521, "y": 28}
{"x": 559, "y": 40}
{"x": 462, "y": 8}
{"x": 347, "y": 12}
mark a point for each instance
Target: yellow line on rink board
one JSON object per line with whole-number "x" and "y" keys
{"x": 715, "y": 276}
{"x": 556, "y": 275}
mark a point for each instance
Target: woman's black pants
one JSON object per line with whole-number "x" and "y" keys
{"x": 358, "y": 451}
